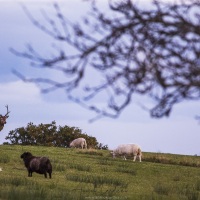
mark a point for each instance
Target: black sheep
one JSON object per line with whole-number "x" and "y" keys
{"x": 41, "y": 165}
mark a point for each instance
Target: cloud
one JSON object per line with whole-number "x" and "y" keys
{"x": 28, "y": 104}
{"x": 18, "y": 91}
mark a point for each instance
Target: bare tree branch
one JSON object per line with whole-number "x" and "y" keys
{"x": 153, "y": 52}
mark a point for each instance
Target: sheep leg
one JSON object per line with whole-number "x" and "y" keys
{"x": 49, "y": 175}
{"x": 113, "y": 154}
{"x": 45, "y": 174}
{"x": 29, "y": 173}
{"x": 134, "y": 158}
{"x": 140, "y": 158}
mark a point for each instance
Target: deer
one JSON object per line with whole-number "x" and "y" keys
{"x": 3, "y": 118}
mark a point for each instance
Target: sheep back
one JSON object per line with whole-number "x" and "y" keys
{"x": 40, "y": 164}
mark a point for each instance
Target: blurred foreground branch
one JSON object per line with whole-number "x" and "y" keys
{"x": 127, "y": 51}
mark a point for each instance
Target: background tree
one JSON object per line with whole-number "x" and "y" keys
{"x": 50, "y": 135}
{"x": 154, "y": 52}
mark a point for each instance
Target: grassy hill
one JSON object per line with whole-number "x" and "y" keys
{"x": 93, "y": 174}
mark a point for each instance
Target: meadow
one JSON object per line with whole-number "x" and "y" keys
{"x": 94, "y": 174}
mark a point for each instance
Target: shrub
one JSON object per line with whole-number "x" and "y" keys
{"x": 50, "y": 135}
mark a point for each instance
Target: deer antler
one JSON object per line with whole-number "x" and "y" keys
{"x": 6, "y": 115}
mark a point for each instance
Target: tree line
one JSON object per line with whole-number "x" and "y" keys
{"x": 50, "y": 135}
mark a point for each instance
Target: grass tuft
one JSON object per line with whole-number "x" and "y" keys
{"x": 127, "y": 171}
{"x": 79, "y": 167}
{"x": 97, "y": 180}
{"x": 4, "y": 158}
{"x": 105, "y": 161}
{"x": 91, "y": 152}
{"x": 161, "y": 189}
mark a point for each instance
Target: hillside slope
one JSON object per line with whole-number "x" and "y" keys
{"x": 93, "y": 174}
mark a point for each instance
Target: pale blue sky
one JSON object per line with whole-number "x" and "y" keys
{"x": 179, "y": 134}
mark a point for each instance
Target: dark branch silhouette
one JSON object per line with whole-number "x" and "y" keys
{"x": 132, "y": 51}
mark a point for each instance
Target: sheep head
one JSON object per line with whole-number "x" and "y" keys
{"x": 26, "y": 155}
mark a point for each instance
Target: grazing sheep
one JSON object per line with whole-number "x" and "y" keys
{"x": 40, "y": 165}
{"x": 79, "y": 142}
{"x": 128, "y": 149}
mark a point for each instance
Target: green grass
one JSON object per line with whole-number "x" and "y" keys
{"x": 93, "y": 174}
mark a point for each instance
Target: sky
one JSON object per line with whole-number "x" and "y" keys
{"x": 177, "y": 134}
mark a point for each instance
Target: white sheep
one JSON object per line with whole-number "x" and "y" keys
{"x": 128, "y": 149}
{"x": 79, "y": 142}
